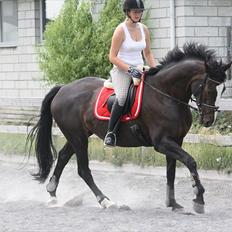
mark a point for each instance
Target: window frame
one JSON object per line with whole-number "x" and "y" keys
{"x": 42, "y": 13}
{"x": 2, "y": 43}
{"x": 43, "y": 17}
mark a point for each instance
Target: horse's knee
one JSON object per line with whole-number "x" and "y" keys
{"x": 64, "y": 156}
{"x": 191, "y": 163}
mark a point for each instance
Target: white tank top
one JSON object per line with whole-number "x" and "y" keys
{"x": 130, "y": 50}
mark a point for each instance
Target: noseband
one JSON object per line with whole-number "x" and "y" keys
{"x": 200, "y": 91}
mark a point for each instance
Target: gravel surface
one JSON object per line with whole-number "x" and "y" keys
{"x": 23, "y": 202}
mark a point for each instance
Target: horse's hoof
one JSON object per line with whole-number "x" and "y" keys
{"x": 106, "y": 203}
{"x": 175, "y": 206}
{"x": 52, "y": 185}
{"x": 178, "y": 208}
{"x": 52, "y": 202}
{"x": 198, "y": 208}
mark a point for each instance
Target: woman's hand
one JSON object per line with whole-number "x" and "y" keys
{"x": 134, "y": 72}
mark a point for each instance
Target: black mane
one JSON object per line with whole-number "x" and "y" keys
{"x": 190, "y": 50}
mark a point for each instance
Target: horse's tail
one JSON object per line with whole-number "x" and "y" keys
{"x": 41, "y": 135}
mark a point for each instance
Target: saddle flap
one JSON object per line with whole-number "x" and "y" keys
{"x": 129, "y": 100}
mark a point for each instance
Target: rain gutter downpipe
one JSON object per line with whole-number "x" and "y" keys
{"x": 172, "y": 23}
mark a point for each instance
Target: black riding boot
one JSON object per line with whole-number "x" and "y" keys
{"x": 116, "y": 113}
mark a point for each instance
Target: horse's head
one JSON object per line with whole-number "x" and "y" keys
{"x": 205, "y": 90}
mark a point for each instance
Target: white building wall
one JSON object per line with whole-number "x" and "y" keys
{"x": 204, "y": 21}
{"x": 20, "y": 78}
{"x": 159, "y": 24}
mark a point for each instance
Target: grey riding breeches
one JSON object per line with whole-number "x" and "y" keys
{"x": 121, "y": 82}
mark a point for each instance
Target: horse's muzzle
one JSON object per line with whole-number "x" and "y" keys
{"x": 207, "y": 122}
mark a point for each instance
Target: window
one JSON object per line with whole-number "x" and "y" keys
{"x": 8, "y": 21}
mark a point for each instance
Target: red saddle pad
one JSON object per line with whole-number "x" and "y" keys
{"x": 101, "y": 111}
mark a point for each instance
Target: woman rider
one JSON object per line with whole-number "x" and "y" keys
{"x": 130, "y": 39}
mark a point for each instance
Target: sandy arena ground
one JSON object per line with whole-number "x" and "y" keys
{"x": 23, "y": 202}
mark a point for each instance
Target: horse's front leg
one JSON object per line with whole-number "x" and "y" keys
{"x": 170, "y": 196}
{"x": 63, "y": 157}
{"x": 173, "y": 150}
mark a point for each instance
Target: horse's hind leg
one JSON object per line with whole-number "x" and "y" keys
{"x": 80, "y": 145}
{"x": 171, "y": 172}
{"x": 64, "y": 156}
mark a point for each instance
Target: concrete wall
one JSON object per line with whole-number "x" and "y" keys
{"x": 20, "y": 77}
{"x": 204, "y": 21}
{"x": 21, "y": 85}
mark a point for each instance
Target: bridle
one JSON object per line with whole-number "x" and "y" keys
{"x": 199, "y": 92}
{"x": 199, "y": 95}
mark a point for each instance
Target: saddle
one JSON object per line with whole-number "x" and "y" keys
{"x": 106, "y": 98}
{"x": 129, "y": 100}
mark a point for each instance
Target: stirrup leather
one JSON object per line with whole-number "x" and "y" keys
{"x": 110, "y": 139}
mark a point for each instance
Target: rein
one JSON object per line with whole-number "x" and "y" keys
{"x": 199, "y": 104}
{"x": 171, "y": 97}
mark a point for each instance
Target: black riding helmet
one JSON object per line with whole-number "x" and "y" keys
{"x": 132, "y": 4}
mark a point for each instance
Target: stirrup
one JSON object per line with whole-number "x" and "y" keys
{"x": 110, "y": 139}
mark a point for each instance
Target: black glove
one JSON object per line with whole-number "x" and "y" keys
{"x": 134, "y": 72}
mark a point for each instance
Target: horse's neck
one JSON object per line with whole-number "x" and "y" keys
{"x": 176, "y": 80}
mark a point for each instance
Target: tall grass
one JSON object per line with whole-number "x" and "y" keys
{"x": 207, "y": 156}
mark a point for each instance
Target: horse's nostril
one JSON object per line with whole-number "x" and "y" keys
{"x": 207, "y": 123}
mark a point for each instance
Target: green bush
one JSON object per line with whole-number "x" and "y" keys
{"x": 221, "y": 126}
{"x": 64, "y": 56}
{"x": 110, "y": 17}
{"x": 75, "y": 46}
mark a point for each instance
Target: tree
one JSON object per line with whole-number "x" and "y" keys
{"x": 65, "y": 54}
{"x": 110, "y": 17}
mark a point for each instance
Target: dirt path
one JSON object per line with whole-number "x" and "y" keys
{"x": 23, "y": 202}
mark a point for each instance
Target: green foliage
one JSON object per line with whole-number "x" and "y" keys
{"x": 110, "y": 17}
{"x": 222, "y": 124}
{"x": 210, "y": 156}
{"x": 64, "y": 56}
{"x": 75, "y": 46}
{"x": 12, "y": 144}
{"x": 207, "y": 156}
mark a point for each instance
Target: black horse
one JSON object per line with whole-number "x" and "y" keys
{"x": 163, "y": 123}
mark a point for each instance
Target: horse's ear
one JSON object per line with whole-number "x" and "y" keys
{"x": 226, "y": 66}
